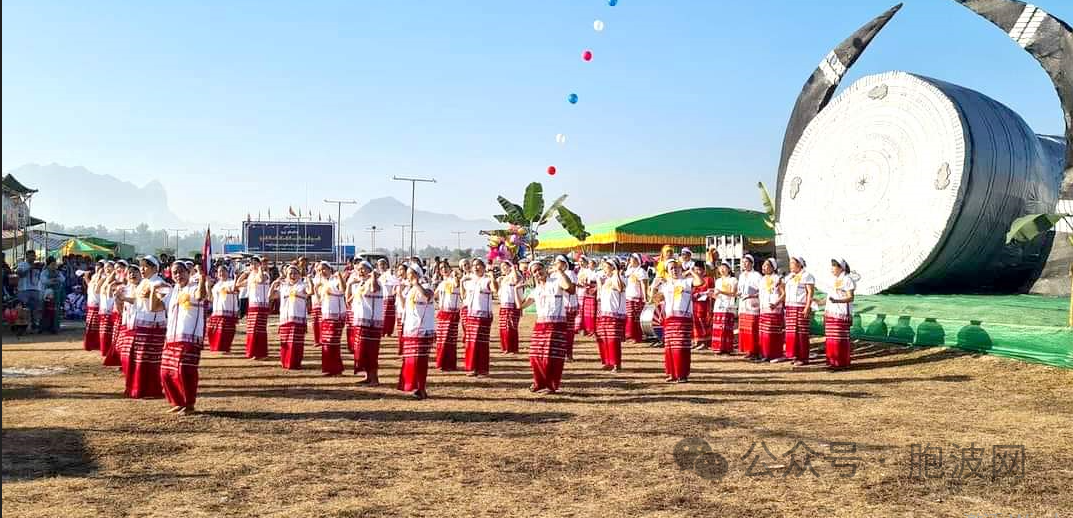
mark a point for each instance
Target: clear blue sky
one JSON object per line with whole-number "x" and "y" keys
{"x": 289, "y": 101}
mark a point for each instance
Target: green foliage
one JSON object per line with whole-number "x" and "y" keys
{"x": 1027, "y": 228}
{"x": 534, "y": 201}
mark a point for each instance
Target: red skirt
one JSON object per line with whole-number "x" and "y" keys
{"x": 547, "y": 354}
{"x": 633, "y": 320}
{"x": 610, "y": 331}
{"x": 257, "y": 332}
{"x": 572, "y": 314}
{"x": 414, "y": 371}
{"x": 509, "y": 318}
{"x": 91, "y": 341}
{"x": 314, "y": 314}
{"x": 749, "y": 334}
{"x": 797, "y": 333}
{"x": 292, "y": 345}
{"x": 122, "y": 347}
{"x": 677, "y": 345}
{"x": 702, "y": 322}
{"x": 220, "y": 332}
{"x": 367, "y": 350}
{"x": 108, "y": 351}
{"x": 389, "y": 316}
{"x": 837, "y": 342}
{"x": 723, "y": 331}
{"x": 588, "y": 315}
{"x": 331, "y": 356}
{"x": 143, "y": 373}
{"x": 772, "y": 336}
{"x": 478, "y": 336}
{"x": 447, "y": 340}
{"x": 179, "y": 373}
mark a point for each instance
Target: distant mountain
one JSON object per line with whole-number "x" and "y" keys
{"x": 77, "y": 196}
{"x": 434, "y": 229}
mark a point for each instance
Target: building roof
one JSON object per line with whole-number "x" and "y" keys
{"x": 687, "y": 227}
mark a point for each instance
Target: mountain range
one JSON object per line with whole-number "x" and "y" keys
{"x": 76, "y": 196}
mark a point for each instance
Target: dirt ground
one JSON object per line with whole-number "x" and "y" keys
{"x": 272, "y": 443}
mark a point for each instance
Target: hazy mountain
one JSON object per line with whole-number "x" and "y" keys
{"x": 434, "y": 229}
{"x": 77, "y": 196}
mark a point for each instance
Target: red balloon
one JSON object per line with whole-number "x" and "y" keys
{"x": 551, "y": 170}
{"x": 587, "y": 55}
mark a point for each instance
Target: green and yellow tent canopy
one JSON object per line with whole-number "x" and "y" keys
{"x": 79, "y": 246}
{"x": 688, "y": 227}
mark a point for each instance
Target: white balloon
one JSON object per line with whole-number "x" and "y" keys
{"x": 598, "y": 25}
{"x": 560, "y": 138}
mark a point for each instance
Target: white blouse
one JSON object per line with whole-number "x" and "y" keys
{"x": 186, "y": 315}
{"x": 448, "y": 293}
{"x": 508, "y": 293}
{"x": 332, "y": 304}
{"x": 292, "y": 303}
{"x": 635, "y": 278}
{"x": 480, "y": 297}
{"x": 549, "y": 299}
{"x": 224, "y": 299}
{"x": 843, "y": 310}
{"x": 796, "y": 288}
{"x": 749, "y": 284}
{"x": 143, "y": 313}
{"x": 678, "y": 297}
{"x": 419, "y": 315}
{"x": 612, "y": 300}
{"x": 724, "y": 303}
{"x": 366, "y": 305}
{"x": 769, "y": 294}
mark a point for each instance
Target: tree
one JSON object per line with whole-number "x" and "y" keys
{"x": 532, "y": 215}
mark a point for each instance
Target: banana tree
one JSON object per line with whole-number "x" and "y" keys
{"x": 1027, "y": 228}
{"x": 532, "y": 214}
{"x": 769, "y": 207}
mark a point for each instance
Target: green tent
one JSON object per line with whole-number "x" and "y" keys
{"x": 688, "y": 227}
{"x": 81, "y": 246}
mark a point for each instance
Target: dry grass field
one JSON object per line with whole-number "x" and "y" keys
{"x": 272, "y": 443}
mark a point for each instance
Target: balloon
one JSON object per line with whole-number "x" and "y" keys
{"x": 560, "y": 138}
{"x": 551, "y": 170}
{"x": 572, "y": 98}
{"x": 587, "y": 55}
{"x": 522, "y": 231}
{"x": 598, "y": 26}
{"x": 612, "y": 3}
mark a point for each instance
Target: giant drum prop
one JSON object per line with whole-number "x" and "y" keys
{"x": 648, "y": 323}
{"x": 914, "y": 182}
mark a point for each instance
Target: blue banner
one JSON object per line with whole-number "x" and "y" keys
{"x": 262, "y": 237}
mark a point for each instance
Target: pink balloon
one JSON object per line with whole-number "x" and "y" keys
{"x": 587, "y": 55}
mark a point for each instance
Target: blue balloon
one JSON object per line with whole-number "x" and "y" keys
{"x": 572, "y": 98}
{"x": 612, "y": 3}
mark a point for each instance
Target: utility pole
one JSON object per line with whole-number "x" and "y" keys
{"x": 372, "y": 233}
{"x": 402, "y": 234}
{"x": 459, "y": 233}
{"x": 176, "y": 230}
{"x": 413, "y": 196}
{"x": 339, "y": 225}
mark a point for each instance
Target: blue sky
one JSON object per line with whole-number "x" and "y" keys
{"x": 684, "y": 104}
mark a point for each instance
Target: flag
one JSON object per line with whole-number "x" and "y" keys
{"x": 291, "y": 210}
{"x": 206, "y": 253}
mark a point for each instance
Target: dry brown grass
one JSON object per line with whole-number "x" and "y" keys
{"x": 273, "y": 443}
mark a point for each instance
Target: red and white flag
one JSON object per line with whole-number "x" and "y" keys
{"x": 206, "y": 253}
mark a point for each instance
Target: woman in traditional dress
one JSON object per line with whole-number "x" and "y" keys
{"x": 588, "y": 278}
{"x": 124, "y": 293}
{"x": 772, "y": 324}
{"x": 510, "y": 315}
{"x": 400, "y": 287}
{"x": 467, "y": 268}
{"x": 388, "y": 283}
{"x": 184, "y": 338}
{"x": 479, "y": 319}
{"x": 314, "y": 281}
{"x": 332, "y": 314}
{"x": 106, "y": 313}
{"x": 636, "y": 296}
{"x": 749, "y": 309}
{"x": 838, "y": 316}
{"x": 256, "y": 280}
{"x": 223, "y": 322}
{"x": 611, "y": 315}
{"x": 91, "y": 341}
{"x": 293, "y": 292}
{"x": 366, "y": 300}
{"x": 150, "y": 330}
{"x": 724, "y": 306}
{"x": 800, "y": 287}
{"x": 418, "y": 331}
{"x": 570, "y": 300}
{"x": 702, "y": 309}
{"x": 547, "y": 343}
{"x": 675, "y": 291}
{"x": 448, "y": 300}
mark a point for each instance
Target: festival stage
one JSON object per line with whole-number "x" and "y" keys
{"x": 1025, "y": 327}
